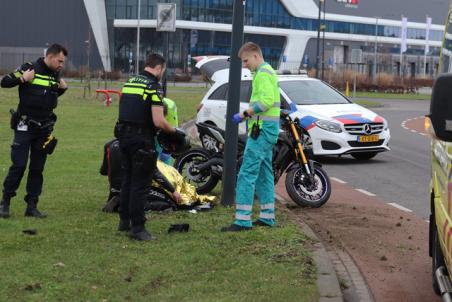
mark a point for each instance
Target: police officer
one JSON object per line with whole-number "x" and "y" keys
{"x": 140, "y": 114}
{"x": 40, "y": 86}
{"x": 256, "y": 172}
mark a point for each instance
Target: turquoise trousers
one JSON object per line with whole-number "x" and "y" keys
{"x": 256, "y": 175}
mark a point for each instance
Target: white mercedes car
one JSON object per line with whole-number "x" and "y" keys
{"x": 334, "y": 125}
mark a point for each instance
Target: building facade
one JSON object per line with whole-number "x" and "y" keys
{"x": 286, "y": 30}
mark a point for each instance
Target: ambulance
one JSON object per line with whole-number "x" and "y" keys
{"x": 438, "y": 124}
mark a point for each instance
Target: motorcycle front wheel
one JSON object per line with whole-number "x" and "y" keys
{"x": 306, "y": 193}
{"x": 204, "y": 181}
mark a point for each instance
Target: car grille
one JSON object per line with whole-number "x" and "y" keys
{"x": 359, "y": 129}
{"x": 371, "y": 144}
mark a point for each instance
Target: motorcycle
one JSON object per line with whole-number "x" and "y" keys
{"x": 306, "y": 182}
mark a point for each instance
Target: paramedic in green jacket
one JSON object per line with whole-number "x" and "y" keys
{"x": 256, "y": 173}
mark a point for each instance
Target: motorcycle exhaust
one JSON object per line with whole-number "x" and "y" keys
{"x": 208, "y": 164}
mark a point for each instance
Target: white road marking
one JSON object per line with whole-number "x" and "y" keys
{"x": 338, "y": 180}
{"x": 365, "y": 192}
{"x": 395, "y": 205}
{"x": 403, "y": 125}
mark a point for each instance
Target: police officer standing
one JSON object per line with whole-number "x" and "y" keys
{"x": 256, "y": 172}
{"x": 40, "y": 86}
{"x": 140, "y": 116}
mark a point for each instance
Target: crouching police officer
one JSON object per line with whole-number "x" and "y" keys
{"x": 40, "y": 86}
{"x": 140, "y": 114}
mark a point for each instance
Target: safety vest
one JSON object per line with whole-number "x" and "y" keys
{"x": 171, "y": 115}
{"x": 39, "y": 97}
{"x": 265, "y": 97}
{"x": 137, "y": 96}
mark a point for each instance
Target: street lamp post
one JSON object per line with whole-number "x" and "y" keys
{"x": 87, "y": 86}
{"x": 137, "y": 59}
{"x": 323, "y": 38}
{"x": 427, "y": 38}
{"x": 317, "y": 63}
{"x": 235, "y": 71}
{"x": 374, "y": 71}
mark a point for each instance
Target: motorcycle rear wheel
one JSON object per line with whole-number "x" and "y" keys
{"x": 204, "y": 181}
{"x": 306, "y": 195}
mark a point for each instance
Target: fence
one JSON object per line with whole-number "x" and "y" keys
{"x": 389, "y": 76}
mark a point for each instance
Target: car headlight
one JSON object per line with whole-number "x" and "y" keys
{"x": 329, "y": 126}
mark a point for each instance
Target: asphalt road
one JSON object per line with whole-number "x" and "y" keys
{"x": 399, "y": 176}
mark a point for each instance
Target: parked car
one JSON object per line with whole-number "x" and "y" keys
{"x": 333, "y": 124}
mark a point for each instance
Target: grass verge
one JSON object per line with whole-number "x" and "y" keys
{"x": 77, "y": 254}
{"x": 395, "y": 96}
{"x": 368, "y": 104}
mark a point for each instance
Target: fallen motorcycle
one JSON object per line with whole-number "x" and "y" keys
{"x": 306, "y": 182}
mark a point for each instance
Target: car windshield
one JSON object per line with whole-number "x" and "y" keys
{"x": 310, "y": 92}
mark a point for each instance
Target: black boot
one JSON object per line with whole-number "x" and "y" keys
{"x": 235, "y": 228}
{"x": 4, "y": 208}
{"x": 140, "y": 234}
{"x": 32, "y": 210}
{"x": 124, "y": 225}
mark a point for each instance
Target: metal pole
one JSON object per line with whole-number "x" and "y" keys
{"x": 374, "y": 70}
{"x": 88, "y": 75}
{"x": 165, "y": 76}
{"x": 427, "y": 42}
{"x": 401, "y": 54}
{"x": 166, "y": 54}
{"x": 317, "y": 62}
{"x": 235, "y": 75}
{"x": 425, "y": 64}
{"x": 137, "y": 59}
{"x": 323, "y": 39}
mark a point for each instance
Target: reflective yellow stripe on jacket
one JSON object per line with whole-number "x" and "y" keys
{"x": 139, "y": 89}
{"x": 43, "y": 80}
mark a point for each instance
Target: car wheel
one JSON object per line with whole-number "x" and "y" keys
{"x": 364, "y": 155}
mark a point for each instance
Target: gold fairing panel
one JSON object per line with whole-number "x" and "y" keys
{"x": 186, "y": 190}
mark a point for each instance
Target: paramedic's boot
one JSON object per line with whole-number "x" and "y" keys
{"x": 140, "y": 234}
{"x": 4, "y": 208}
{"x": 261, "y": 223}
{"x": 32, "y": 210}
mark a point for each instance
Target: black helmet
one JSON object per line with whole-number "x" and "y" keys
{"x": 175, "y": 143}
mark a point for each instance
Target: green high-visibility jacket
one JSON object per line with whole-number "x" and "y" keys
{"x": 171, "y": 116}
{"x": 265, "y": 101}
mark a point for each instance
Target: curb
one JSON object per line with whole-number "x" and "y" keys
{"x": 327, "y": 280}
